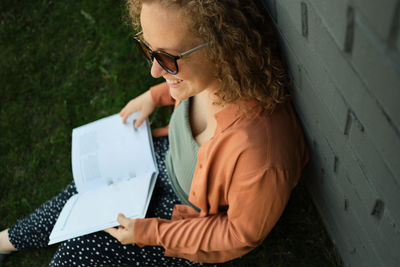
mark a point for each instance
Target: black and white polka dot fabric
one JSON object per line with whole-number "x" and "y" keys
{"x": 100, "y": 249}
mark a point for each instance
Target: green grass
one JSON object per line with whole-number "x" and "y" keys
{"x": 66, "y": 63}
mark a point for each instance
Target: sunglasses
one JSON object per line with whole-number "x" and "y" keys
{"x": 167, "y": 61}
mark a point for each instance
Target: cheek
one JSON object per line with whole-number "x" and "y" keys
{"x": 196, "y": 82}
{"x": 198, "y": 74}
{"x": 205, "y": 79}
{"x": 206, "y": 71}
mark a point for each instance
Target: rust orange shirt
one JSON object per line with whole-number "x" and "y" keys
{"x": 242, "y": 182}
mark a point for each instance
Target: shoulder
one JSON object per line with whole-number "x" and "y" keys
{"x": 264, "y": 140}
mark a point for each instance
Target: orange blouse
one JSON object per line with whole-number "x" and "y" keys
{"x": 242, "y": 183}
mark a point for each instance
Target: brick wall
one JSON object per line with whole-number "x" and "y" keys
{"x": 344, "y": 59}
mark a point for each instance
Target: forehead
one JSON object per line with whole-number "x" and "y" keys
{"x": 164, "y": 27}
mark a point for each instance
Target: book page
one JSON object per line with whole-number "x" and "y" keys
{"x": 97, "y": 210}
{"x": 107, "y": 151}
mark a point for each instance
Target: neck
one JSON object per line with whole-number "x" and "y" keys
{"x": 202, "y": 119}
{"x": 206, "y": 99}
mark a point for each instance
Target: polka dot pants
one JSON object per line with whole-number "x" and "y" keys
{"x": 100, "y": 249}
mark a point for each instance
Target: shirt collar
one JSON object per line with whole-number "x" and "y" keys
{"x": 227, "y": 116}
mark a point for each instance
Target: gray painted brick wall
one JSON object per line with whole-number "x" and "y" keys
{"x": 344, "y": 59}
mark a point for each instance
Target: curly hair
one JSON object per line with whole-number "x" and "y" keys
{"x": 243, "y": 47}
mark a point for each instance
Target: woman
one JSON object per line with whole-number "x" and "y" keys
{"x": 235, "y": 152}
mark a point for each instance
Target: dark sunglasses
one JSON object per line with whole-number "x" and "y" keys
{"x": 167, "y": 61}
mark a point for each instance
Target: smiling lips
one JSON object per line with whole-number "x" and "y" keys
{"x": 173, "y": 81}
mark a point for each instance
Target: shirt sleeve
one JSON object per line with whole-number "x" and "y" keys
{"x": 161, "y": 96}
{"x": 256, "y": 202}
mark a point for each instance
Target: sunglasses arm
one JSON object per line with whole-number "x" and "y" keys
{"x": 193, "y": 50}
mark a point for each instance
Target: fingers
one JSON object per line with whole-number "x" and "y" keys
{"x": 121, "y": 114}
{"x": 124, "y": 113}
{"x": 127, "y": 110}
{"x": 124, "y": 109}
{"x": 124, "y": 118}
{"x": 139, "y": 121}
{"x": 112, "y": 231}
{"x": 125, "y": 232}
{"x": 143, "y": 103}
{"x": 122, "y": 220}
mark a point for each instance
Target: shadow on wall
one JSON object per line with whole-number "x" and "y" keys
{"x": 344, "y": 60}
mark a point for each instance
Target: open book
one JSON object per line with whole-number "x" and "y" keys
{"x": 114, "y": 170}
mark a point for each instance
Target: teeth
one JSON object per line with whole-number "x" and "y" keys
{"x": 173, "y": 81}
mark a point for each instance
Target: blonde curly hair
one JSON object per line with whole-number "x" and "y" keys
{"x": 243, "y": 47}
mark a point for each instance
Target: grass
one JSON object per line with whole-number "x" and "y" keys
{"x": 66, "y": 63}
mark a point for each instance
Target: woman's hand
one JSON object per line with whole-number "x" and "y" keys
{"x": 125, "y": 231}
{"x": 143, "y": 103}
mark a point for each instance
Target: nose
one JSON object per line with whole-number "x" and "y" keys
{"x": 156, "y": 70}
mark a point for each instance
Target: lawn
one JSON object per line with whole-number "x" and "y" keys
{"x": 66, "y": 63}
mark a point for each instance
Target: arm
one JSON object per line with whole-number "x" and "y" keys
{"x": 161, "y": 96}
{"x": 255, "y": 204}
{"x": 146, "y": 103}
{"x": 253, "y": 178}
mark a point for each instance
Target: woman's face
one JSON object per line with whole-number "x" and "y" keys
{"x": 166, "y": 29}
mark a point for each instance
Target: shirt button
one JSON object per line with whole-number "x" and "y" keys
{"x": 201, "y": 165}
{"x": 194, "y": 194}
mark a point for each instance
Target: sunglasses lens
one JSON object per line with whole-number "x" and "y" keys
{"x": 166, "y": 62}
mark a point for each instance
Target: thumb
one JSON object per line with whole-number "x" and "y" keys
{"x": 112, "y": 231}
{"x": 139, "y": 121}
{"x": 122, "y": 220}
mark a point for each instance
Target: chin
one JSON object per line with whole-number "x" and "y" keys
{"x": 177, "y": 96}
